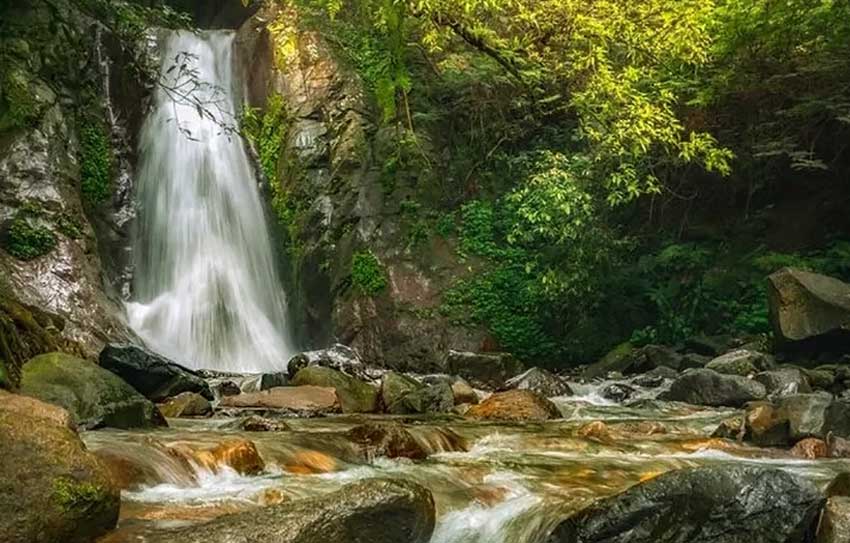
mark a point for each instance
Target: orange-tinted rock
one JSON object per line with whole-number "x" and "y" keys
{"x": 301, "y": 398}
{"x": 810, "y": 448}
{"x": 596, "y": 431}
{"x": 464, "y": 393}
{"x": 125, "y": 473}
{"x": 309, "y": 462}
{"x": 391, "y": 440}
{"x": 15, "y": 404}
{"x": 238, "y": 454}
{"x": 515, "y": 405}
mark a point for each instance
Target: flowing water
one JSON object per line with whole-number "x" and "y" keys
{"x": 206, "y": 292}
{"x": 513, "y": 485}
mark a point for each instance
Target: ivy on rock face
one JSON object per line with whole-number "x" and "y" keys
{"x": 368, "y": 275}
{"x": 26, "y": 239}
{"x": 95, "y": 164}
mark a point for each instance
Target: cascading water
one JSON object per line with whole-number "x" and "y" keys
{"x": 206, "y": 291}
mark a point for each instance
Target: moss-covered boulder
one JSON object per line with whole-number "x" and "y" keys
{"x": 94, "y": 396}
{"x": 394, "y": 388}
{"x": 51, "y": 489}
{"x": 355, "y": 396}
{"x": 25, "y": 331}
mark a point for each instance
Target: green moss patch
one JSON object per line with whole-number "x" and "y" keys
{"x": 368, "y": 275}
{"x": 73, "y": 496}
{"x": 25, "y": 239}
{"x": 95, "y": 164}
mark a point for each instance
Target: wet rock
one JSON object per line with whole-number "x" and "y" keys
{"x": 464, "y": 393}
{"x": 809, "y": 311}
{"x": 541, "y": 382}
{"x": 693, "y": 360}
{"x": 595, "y": 431}
{"x": 371, "y": 511}
{"x": 806, "y": 414}
{"x": 355, "y": 396}
{"x": 731, "y": 428}
{"x": 187, "y": 404}
{"x": 766, "y": 424}
{"x": 837, "y": 418}
{"x": 269, "y": 381}
{"x": 820, "y": 378}
{"x": 707, "y": 387}
{"x": 617, "y": 392}
{"x": 51, "y": 489}
{"x": 228, "y": 388}
{"x": 838, "y": 447}
{"x": 515, "y": 405}
{"x": 393, "y": 440}
{"x": 702, "y": 505}
{"x": 783, "y": 382}
{"x": 339, "y": 357}
{"x": 488, "y": 371}
{"x": 94, "y": 396}
{"x": 741, "y": 362}
{"x": 810, "y": 448}
{"x": 256, "y": 423}
{"x": 154, "y": 376}
{"x": 240, "y": 455}
{"x": 835, "y": 521}
{"x": 437, "y": 398}
{"x": 394, "y": 387}
{"x": 299, "y": 400}
{"x": 655, "y": 378}
{"x": 629, "y": 361}
{"x": 618, "y": 359}
{"x": 311, "y": 462}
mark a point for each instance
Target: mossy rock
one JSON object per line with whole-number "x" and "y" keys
{"x": 355, "y": 396}
{"x": 51, "y": 488}
{"x": 394, "y": 388}
{"x": 618, "y": 359}
{"x": 94, "y": 396}
{"x": 26, "y": 237}
{"x": 24, "y": 332}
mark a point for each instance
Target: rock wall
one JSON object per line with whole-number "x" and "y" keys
{"x": 330, "y": 172}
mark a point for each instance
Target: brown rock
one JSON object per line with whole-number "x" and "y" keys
{"x": 186, "y": 404}
{"x": 240, "y": 455}
{"x": 766, "y": 424}
{"x": 255, "y": 423}
{"x": 515, "y": 405}
{"x": 595, "y": 431}
{"x": 298, "y": 399}
{"x": 835, "y": 521}
{"x": 463, "y": 393}
{"x": 810, "y": 448}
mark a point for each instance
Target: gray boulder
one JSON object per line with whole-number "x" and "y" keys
{"x": 723, "y": 504}
{"x": 542, "y": 382}
{"x": 394, "y": 388}
{"x": 155, "y": 377}
{"x": 806, "y": 414}
{"x": 741, "y": 362}
{"x": 186, "y": 404}
{"x": 837, "y": 418}
{"x": 339, "y": 357}
{"x": 809, "y": 310}
{"x": 437, "y": 398}
{"x": 94, "y": 396}
{"x": 371, "y": 511}
{"x": 784, "y": 382}
{"x": 707, "y": 387}
{"x": 487, "y": 371}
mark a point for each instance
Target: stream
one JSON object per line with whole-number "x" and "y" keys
{"x": 514, "y": 484}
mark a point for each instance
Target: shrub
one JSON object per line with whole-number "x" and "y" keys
{"x": 367, "y": 273}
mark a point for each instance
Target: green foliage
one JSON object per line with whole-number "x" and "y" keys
{"x": 95, "y": 163}
{"x": 19, "y": 108}
{"x": 367, "y": 273}
{"x": 266, "y": 131}
{"x": 26, "y": 239}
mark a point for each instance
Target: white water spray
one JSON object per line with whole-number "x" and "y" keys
{"x": 206, "y": 291}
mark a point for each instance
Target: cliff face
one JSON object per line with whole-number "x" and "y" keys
{"x": 344, "y": 217}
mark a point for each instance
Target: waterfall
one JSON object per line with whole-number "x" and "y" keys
{"x": 206, "y": 292}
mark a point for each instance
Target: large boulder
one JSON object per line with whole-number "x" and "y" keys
{"x": 741, "y": 362}
{"x": 806, "y": 414}
{"x": 94, "y": 396}
{"x": 809, "y": 310}
{"x": 339, "y": 357}
{"x": 302, "y": 400}
{"x": 784, "y": 382}
{"x": 627, "y": 360}
{"x": 837, "y": 418}
{"x": 835, "y": 521}
{"x": 51, "y": 489}
{"x": 539, "y": 381}
{"x": 355, "y": 396}
{"x": 488, "y": 371}
{"x": 371, "y": 511}
{"x": 766, "y": 425}
{"x": 437, "y": 398}
{"x": 707, "y": 387}
{"x": 154, "y": 376}
{"x": 723, "y": 504}
{"x": 394, "y": 388}
{"x": 515, "y": 405}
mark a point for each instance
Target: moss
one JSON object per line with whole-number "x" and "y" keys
{"x": 73, "y": 496}
{"x": 367, "y": 273}
{"x": 69, "y": 226}
{"x": 20, "y": 108}
{"x": 26, "y": 240}
{"x": 95, "y": 164}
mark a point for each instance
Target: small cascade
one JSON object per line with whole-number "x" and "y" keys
{"x": 206, "y": 292}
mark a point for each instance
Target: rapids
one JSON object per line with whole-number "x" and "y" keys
{"x": 512, "y": 486}
{"x": 205, "y": 290}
